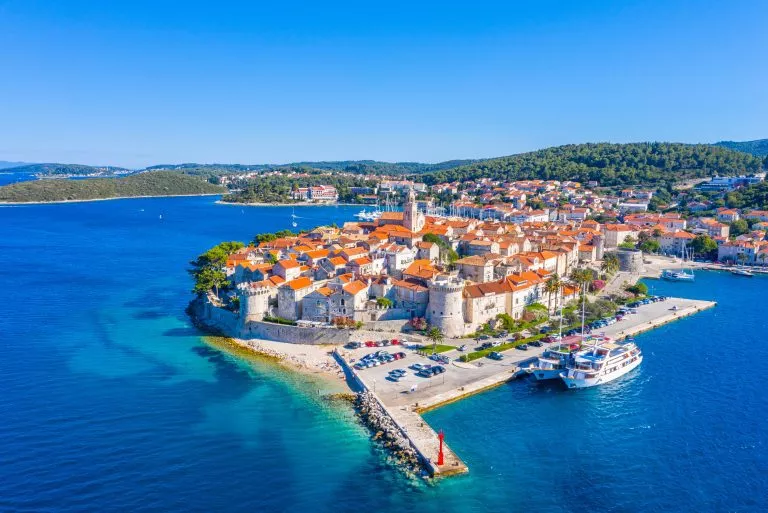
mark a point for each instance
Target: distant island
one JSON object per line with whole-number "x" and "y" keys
{"x": 156, "y": 183}
{"x": 55, "y": 170}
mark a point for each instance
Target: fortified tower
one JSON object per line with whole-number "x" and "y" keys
{"x": 254, "y": 302}
{"x": 446, "y": 305}
{"x": 599, "y": 242}
{"x": 412, "y": 218}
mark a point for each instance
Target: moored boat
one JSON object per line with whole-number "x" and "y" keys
{"x": 601, "y": 363}
{"x": 552, "y": 362}
{"x": 740, "y": 271}
{"x": 672, "y": 275}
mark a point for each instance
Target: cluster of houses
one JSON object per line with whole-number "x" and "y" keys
{"x": 396, "y": 266}
{"x": 385, "y": 270}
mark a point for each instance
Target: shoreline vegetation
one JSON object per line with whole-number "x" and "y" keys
{"x": 150, "y": 184}
{"x": 8, "y": 203}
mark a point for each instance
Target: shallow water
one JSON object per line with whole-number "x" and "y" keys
{"x": 111, "y": 401}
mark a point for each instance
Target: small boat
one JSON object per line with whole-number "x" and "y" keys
{"x": 681, "y": 275}
{"x": 671, "y": 275}
{"x": 742, "y": 272}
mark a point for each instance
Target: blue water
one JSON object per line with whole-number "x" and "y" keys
{"x": 111, "y": 401}
{"x": 9, "y": 178}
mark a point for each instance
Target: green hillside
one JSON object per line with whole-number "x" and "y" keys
{"x": 758, "y": 147}
{"x": 348, "y": 166}
{"x": 157, "y": 183}
{"x": 609, "y": 164}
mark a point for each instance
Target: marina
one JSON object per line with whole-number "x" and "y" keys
{"x": 405, "y": 399}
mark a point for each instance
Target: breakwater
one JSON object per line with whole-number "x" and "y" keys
{"x": 388, "y": 434}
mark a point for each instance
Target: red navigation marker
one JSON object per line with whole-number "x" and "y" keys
{"x": 440, "y": 458}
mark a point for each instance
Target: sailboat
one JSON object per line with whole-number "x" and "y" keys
{"x": 681, "y": 275}
{"x": 293, "y": 218}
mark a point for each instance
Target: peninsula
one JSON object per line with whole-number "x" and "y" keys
{"x": 480, "y": 286}
{"x": 157, "y": 183}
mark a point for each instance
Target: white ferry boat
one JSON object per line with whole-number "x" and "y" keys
{"x": 552, "y": 362}
{"x": 600, "y": 364}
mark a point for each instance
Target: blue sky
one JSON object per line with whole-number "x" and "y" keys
{"x": 146, "y": 82}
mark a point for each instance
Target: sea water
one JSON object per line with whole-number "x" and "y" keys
{"x": 111, "y": 401}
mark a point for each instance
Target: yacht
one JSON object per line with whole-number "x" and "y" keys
{"x": 362, "y": 215}
{"x": 740, "y": 271}
{"x": 681, "y": 275}
{"x": 678, "y": 275}
{"x": 601, "y": 363}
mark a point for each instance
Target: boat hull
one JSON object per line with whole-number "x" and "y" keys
{"x": 546, "y": 374}
{"x": 576, "y": 382}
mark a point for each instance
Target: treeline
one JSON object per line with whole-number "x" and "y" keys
{"x": 157, "y": 183}
{"x": 758, "y": 147}
{"x": 277, "y": 189}
{"x": 753, "y": 197}
{"x": 648, "y": 164}
{"x": 372, "y": 167}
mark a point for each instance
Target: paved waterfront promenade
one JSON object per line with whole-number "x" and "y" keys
{"x": 404, "y": 400}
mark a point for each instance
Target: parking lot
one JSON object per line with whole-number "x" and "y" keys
{"x": 412, "y": 388}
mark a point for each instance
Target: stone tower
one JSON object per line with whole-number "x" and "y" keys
{"x": 445, "y": 309}
{"x": 599, "y": 244}
{"x": 412, "y": 218}
{"x": 254, "y": 302}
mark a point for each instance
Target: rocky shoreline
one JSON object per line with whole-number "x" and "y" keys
{"x": 388, "y": 435}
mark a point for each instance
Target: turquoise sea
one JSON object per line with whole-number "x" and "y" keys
{"x": 111, "y": 401}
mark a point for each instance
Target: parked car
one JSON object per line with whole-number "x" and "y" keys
{"x": 535, "y": 343}
{"x": 462, "y": 347}
{"x": 482, "y": 337}
{"x": 353, "y": 345}
{"x": 523, "y": 347}
{"x": 544, "y": 329}
{"x": 395, "y": 342}
{"x": 417, "y": 366}
{"x": 493, "y": 355}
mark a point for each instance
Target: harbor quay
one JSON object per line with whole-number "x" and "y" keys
{"x": 405, "y": 399}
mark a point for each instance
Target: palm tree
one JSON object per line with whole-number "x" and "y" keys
{"x": 741, "y": 257}
{"x": 552, "y": 286}
{"x": 581, "y": 277}
{"x": 610, "y": 263}
{"x": 763, "y": 256}
{"x": 436, "y": 336}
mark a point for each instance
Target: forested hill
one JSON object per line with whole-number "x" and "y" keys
{"x": 53, "y": 170}
{"x": 349, "y": 166}
{"x": 758, "y": 147}
{"x": 609, "y": 164}
{"x": 156, "y": 183}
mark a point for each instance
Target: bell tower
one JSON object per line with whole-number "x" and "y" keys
{"x": 412, "y": 219}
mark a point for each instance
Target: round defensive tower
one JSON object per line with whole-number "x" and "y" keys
{"x": 445, "y": 309}
{"x": 630, "y": 260}
{"x": 254, "y": 302}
